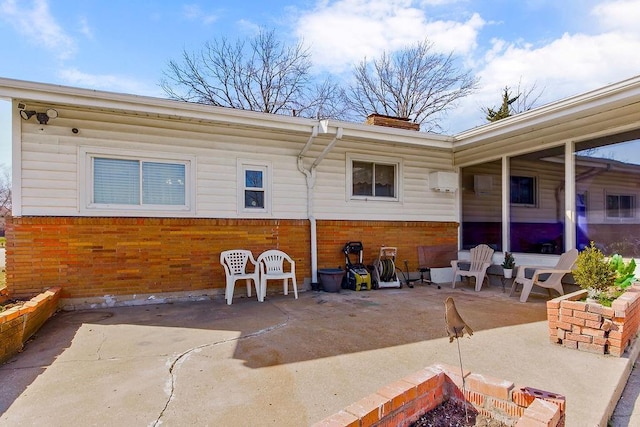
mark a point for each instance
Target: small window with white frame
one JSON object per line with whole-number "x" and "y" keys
{"x": 620, "y": 206}
{"x": 130, "y": 181}
{"x": 373, "y": 178}
{"x": 254, "y": 183}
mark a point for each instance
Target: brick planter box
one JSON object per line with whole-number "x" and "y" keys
{"x": 592, "y": 327}
{"x": 18, "y": 324}
{"x": 402, "y": 403}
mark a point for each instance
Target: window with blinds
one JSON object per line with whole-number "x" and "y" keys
{"x": 138, "y": 183}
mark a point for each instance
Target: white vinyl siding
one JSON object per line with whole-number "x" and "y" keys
{"x": 416, "y": 201}
{"x": 54, "y": 174}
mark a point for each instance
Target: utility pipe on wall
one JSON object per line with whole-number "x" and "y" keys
{"x": 310, "y": 175}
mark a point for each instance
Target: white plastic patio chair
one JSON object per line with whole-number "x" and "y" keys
{"x": 239, "y": 264}
{"x": 271, "y": 265}
{"x": 479, "y": 261}
{"x": 553, "y": 281}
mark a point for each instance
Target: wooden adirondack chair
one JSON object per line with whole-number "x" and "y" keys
{"x": 554, "y": 281}
{"x": 479, "y": 262}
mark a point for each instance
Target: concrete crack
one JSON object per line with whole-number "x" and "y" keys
{"x": 185, "y": 355}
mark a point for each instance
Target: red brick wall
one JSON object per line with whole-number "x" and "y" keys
{"x": 406, "y": 236}
{"x": 123, "y": 256}
{"x": 91, "y": 257}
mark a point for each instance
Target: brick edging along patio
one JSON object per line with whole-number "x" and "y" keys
{"x": 18, "y": 324}
{"x": 403, "y": 402}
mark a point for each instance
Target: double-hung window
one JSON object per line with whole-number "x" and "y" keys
{"x": 129, "y": 182}
{"x": 254, "y": 193}
{"x": 373, "y": 178}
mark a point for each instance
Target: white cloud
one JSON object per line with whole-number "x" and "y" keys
{"x": 193, "y": 12}
{"x": 248, "y": 27}
{"x": 618, "y": 15}
{"x": 570, "y": 63}
{"x": 34, "y": 21}
{"x": 566, "y": 66}
{"x": 343, "y": 32}
{"x": 109, "y": 82}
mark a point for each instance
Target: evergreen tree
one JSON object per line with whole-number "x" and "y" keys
{"x": 505, "y": 109}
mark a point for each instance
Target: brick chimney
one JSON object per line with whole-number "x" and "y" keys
{"x": 392, "y": 122}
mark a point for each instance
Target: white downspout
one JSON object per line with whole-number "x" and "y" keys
{"x": 310, "y": 175}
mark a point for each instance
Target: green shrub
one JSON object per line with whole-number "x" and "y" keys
{"x": 604, "y": 280}
{"x": 593, "y": 272}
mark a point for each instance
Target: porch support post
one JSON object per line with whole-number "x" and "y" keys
{"x": 506, "y": 205}
{"x": 569, "y": 197}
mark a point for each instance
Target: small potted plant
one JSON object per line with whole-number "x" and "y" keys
{"x": 508, "y": 265}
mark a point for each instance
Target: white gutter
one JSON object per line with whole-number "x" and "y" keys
{"x": 310, "y": 175}
{"x": 601, "y": 99}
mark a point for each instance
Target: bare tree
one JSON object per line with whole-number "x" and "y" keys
{"x": 258, "y": 74}
{"x": 5, "y": 190}
{"x": 414, "y": 83}
{"x": 528, "y": 97}
{"x": 323, "y": 100}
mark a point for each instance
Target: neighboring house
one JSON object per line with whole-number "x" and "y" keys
{"x": 210, "y": 179}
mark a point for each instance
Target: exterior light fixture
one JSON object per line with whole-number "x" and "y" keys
{"x": 42, "y": 118}
{"x": 26, "y": 115}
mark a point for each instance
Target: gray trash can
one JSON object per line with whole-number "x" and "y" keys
{"x": 331, "y": 279}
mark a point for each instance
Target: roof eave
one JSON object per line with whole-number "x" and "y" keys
{"x": 25, "y": 91}
{"x": 602, "y": 99}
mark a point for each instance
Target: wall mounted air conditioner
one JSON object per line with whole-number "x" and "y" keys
{"x": 482, "y": 184}
{"x": 446, "y": 182}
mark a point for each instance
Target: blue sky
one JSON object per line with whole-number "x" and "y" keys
{"x": 563, "y": 47}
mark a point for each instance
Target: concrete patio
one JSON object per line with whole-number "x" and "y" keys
{"x": 286, "y": 362}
